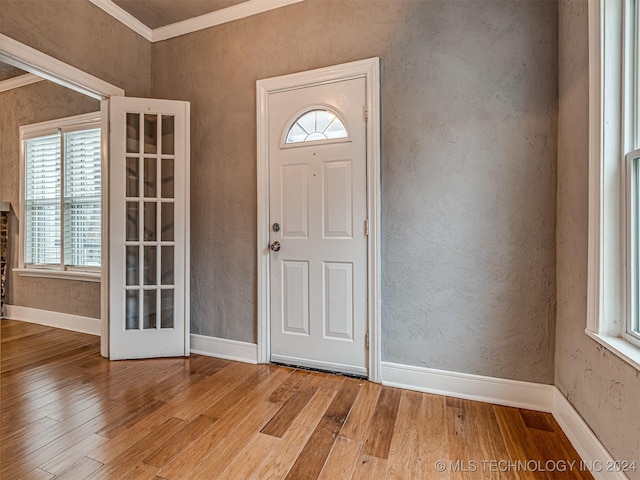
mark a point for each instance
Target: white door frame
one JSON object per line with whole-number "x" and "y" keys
{"x": 370, "y": 70}
{"x": 31, "y": 60}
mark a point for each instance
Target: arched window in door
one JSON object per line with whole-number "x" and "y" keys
{"x": 318, "y": 124}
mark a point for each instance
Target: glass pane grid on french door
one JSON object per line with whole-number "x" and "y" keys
{"x": 150, "y": 222}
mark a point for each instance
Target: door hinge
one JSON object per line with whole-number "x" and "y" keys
{"x": 366, "y": 340}
{"x": 366, "y": 228}
{"x": 365, "y": 113}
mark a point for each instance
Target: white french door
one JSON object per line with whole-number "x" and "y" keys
{"x": 148, "y": 228}
{"x": 318, "y": 226}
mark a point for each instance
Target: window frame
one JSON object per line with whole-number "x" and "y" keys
{"x": 630, "y": 331}
{"x": 87, "y": 121}
{"x": 612, "y": 134}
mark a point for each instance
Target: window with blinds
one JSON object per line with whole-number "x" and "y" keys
{"x": 62, "y": 195}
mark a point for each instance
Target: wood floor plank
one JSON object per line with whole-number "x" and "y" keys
{"x": 211, "y": 390}
{"x": 133, "y": 435}
{"x": 247, "y": 461}
{"x": 234, "y": 442}
{"x": 282, "y": 420}
{"x": 64, "y": 439}
{"x": 342, "y": 459}
{"x": 120, "y": 465}
{"x": 567, "y": 446}
{"x": 551, "y": 449}
{"x": 378, "y": 438}
{"x": 538, "y": 420}
{"x": 433, "y": 438}
{"x": 84, "y": 468}
{"x": 492, "y": 447}
{"x": 370, "y": 468}
{"x": 552, "y": 445}
{"x": 20, "y": 435}
{"x": 404, "y": 449}
{"x": 280, "y": 460}
{"x": 466, "y": 453}
{"x": 141, "y": 471}
{"x": 174, "y": 445}
{"x": 37, "y": 474}
{"x": 183, "y": 464}
{"x": 131, "y": 417}
{"x": 358, "y": 421}
{"x": 238, "y": 394}
{"x": 69, "y": 457}
{"x": 186, "y": 382}
{"x": 206, "y": 366}
{"x": 518, "y": 441}
{"x": 314, "y": 454}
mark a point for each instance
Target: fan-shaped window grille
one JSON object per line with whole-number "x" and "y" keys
{"x": 316, "y": 125}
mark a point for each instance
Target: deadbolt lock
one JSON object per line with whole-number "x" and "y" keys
{"x": 276, "y": 227}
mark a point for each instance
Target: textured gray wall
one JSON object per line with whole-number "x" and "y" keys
{"x": 22, "y": 106}
{"x": 80, "y": 34}
{"x": 469, "y": 98}
{"x": 602, "y": 388}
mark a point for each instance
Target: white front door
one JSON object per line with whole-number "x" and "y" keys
{"x": 318, "y": 223}
{"x": 148, "y": 228}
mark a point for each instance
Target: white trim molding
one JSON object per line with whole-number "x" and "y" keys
{"x": 594, "y": 284}
{"x": 590, "y": 449}
{"x": 66, "y": 321}
{"x": 190, "y": 25}
{"x": 512, "y": 393}
{"x": 29, "y": 59}
{"x": 370, "y": 70}
{"x": 124, "y": 17}
{"x": 19, "y": 81}
{"x": 223, "y": 348}
{"x": 79, "y": 275}
{"x": 224, "y": 15}
{"x": 618, "y": 346}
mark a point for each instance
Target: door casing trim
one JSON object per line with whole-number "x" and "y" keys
{"x": 370, "y": 70}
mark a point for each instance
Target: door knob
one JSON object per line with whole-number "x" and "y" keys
{"x": 275, "y": 246}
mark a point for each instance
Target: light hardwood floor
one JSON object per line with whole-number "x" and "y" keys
{"x": 67, "y": 413}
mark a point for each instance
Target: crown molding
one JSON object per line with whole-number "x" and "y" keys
{"x": 124, "y": 17}
{"x": 19, "y": 81}
{"x": 224, "y": 15}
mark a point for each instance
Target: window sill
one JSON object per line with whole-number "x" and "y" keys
{"x": 60, "y": 274}
{"x": 618, "y": 346}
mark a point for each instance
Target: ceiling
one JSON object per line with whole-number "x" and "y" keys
{"x": 158, "y": 13}
{"x": 7, "y": 71}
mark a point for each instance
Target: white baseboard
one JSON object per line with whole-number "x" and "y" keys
{"x": 223, "y": 348}
{"x": 66, "y": 321}
{"x": 592, "y": 452}
{"x": 512, "y": 393}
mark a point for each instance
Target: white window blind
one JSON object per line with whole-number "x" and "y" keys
{"x": 42, "y": 200}
{"x": 82, "y": 198}
{"x": 62, "y": 208}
